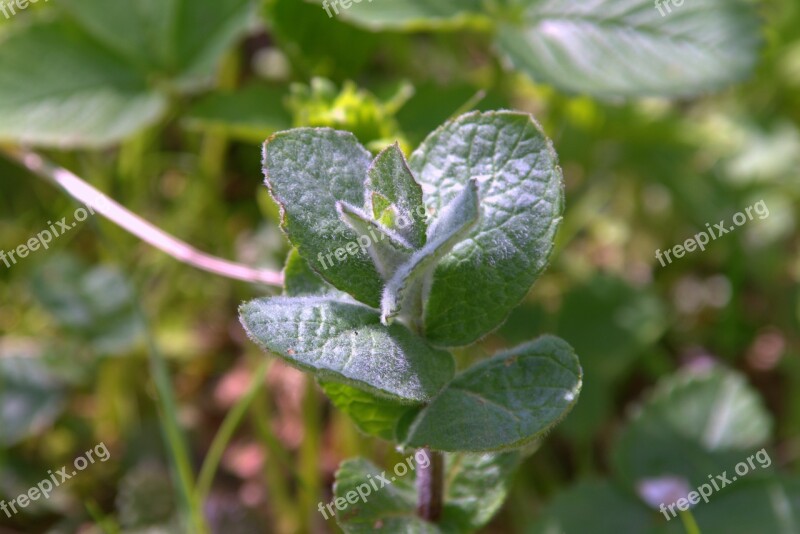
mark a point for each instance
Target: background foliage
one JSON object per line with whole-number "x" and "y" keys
{"x": 163, "y": 106}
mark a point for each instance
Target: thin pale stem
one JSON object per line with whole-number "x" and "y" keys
{"x": 147, "y": 232}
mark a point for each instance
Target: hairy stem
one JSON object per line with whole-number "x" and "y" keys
{"x": 430, "y": 485}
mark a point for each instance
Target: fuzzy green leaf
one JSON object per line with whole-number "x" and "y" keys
{"x": 345, "y": 342}
{"x": 634, "y": 48}
{"x": 308, "y": 170}
{"x": 390, "y": 178}
{"x": 405, "y": 289}
{"x": 387, "y": 249}
{"x": 474, "y": 288}
{"x": 501, "y": 403}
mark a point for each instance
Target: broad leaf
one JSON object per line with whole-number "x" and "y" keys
{"x": 500, "y": 403}
{"x": 390, "y": 179}
{"x": 695, "y": 423}
{"x": 753, "y": 505}
{"x": 179, "y": 39}
{"x": 106, "y": 73}
{"x": 57, "y": 87}
{"x": 634, "y": 48}
{"x": 346, "y": 342}
{"x": 372, "y": 415}
{"x": 409, "y": 14}
{"x": 307, "y": 171}
{"x": 520, "y": 186}
{"x": 404, "y": 292}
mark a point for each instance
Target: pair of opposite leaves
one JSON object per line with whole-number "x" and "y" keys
{"x": 493, "y": 182}
{"x": 318, "y": 176}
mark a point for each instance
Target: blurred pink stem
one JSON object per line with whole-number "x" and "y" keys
{"x": 181, "y": 251}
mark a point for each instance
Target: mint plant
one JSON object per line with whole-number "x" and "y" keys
{"x": 431, "y": 253}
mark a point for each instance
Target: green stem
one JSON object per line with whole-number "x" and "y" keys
{"x": 179, "y": 451}
{"x": 278, "y": 472}
{"x": 225, "y": 433}
{"x": 310, "y": 483}
{"x": 689, "y": 523}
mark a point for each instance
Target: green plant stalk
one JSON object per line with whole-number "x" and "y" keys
{"x": 278, "y": 472}
{"x": 179, "y": 451}
{"x": 225, "y": 433}
{"x": 430, "y": 486}
{"x": 689, "y": 523}
{"x": 310, "y": 483}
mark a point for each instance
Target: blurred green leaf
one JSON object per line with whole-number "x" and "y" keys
{"x": 30, "y": 397}
{"x": 57, "y": 87}
{"x": 623, "y": 48}
{"x": 595, "y": 506}
{"x": 694, "y": 424}
{"x": 107, "y": 73}
{"x": 96, "y": 304}
{"x": 407, "y": 14}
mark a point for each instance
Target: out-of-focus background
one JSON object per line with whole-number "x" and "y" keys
{"x": 107, "y": 344}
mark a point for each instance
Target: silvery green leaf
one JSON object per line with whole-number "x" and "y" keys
{"x": 500, "y": 403}
{"x": 346, "y": 342}
{"x": 390, "y": 178}
{"x": 474, "y": 288}
{"x": 309, "y": 170}
{"x": 405, "y": 290}
{"x": 387, "y": 249}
